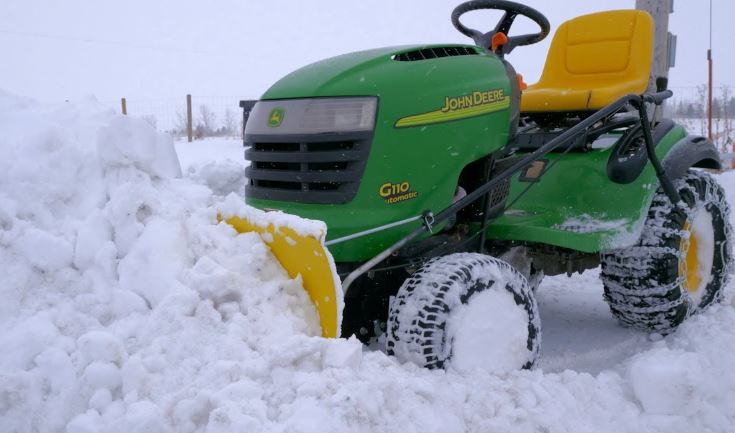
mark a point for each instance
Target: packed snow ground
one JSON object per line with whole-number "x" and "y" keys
{"x": 126, "y": 307}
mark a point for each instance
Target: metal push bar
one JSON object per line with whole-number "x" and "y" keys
{"x": 637, "y": 101}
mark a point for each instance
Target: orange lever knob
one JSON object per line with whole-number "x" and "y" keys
{"x": 499, "y": 39}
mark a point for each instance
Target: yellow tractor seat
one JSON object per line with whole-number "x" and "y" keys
{"x": 594, "y": 60}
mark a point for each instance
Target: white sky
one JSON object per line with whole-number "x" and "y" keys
{"x": 55, "y": 50}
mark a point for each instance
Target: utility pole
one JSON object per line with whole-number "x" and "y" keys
{"x": 664, "y": 43}
{"x": 709, "y": 81}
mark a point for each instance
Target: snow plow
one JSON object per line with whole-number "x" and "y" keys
{"x": 450, "y": 188}
{"x": 303, "y": 255}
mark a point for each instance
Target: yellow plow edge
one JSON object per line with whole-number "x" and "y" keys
{"x": 306, "y": 256}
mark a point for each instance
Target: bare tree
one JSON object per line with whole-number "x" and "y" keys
{"x": 151, "y": 120}
{"x": 725, "y": 114}
{"x": 230, "y": 123}
{"x": 206, "y": 120}
{"x": 180, "y": 124}
{"x": 702, "y": 102}
{"x": 241, "y": 127}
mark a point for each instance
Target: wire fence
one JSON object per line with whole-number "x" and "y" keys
{"x": 689, "y": 107}
{"x": 212, "y": 116}
{"x": 221, "y": 116}
{"x": 692, "y": 102}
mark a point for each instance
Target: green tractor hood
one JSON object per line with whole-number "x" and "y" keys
{"x": 436, "y": 109}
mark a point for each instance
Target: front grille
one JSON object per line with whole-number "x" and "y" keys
{"x": 434, "y": 53}
{"x": 316, "y": 168}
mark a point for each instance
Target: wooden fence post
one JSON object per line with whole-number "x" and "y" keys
{"x": 124, "y": 107}
{"x": 188, "y": 117}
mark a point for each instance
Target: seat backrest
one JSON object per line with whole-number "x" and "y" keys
{"x": 601, "y": 50}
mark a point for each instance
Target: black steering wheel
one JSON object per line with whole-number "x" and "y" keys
{"x": 512, "y": 10}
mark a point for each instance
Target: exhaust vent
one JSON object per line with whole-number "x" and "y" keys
{"x": 434, "y": 53}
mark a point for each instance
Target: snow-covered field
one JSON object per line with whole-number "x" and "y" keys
{"x": 126, "y": 308}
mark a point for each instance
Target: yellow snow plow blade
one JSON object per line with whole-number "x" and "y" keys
{"x": 306, "y": 256}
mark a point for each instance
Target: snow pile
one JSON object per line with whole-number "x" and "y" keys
{"x": 118, "y": 286}
{"x": 125, "y": 307}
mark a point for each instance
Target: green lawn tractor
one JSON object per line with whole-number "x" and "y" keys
{"x": 450, "y": 188}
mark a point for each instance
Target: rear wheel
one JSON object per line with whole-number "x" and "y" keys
{"x": 681, "y": 263}
{"x": 465, "y": 311}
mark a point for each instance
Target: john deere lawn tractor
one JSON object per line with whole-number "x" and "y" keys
{"x": 450, "y": 188}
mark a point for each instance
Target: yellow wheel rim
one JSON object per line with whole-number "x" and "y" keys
{"x": 689, "y": 267}
{"x": 696, "y": 254}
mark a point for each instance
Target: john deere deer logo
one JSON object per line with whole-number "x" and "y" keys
{"x": 275, "y": 117}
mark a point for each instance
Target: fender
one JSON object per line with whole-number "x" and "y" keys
{"x": 628, "y": 158}
{"x": 691, "y": 151}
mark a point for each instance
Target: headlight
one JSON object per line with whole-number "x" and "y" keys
{"x": 312, "y": 116}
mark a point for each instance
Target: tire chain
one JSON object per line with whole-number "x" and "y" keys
{"x": 629, "y": 274}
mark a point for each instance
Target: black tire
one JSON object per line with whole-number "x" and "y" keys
{"x": 425, "y": 316}
{"x": 535, "y": 277}
{"x": 648, "y": 285}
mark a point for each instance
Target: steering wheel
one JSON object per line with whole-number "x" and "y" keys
{"x": 512, "y": 10}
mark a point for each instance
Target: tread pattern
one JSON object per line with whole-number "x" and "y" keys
{"x": 419, "y": 312}
{"x": 642, "y": 284}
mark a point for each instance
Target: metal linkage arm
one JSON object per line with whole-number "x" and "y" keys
{"x": 636, "y": 100}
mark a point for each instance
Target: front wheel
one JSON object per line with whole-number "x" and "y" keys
{"x": 465, "y": 311}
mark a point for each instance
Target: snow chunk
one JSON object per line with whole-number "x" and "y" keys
{"x": 342, "y": 354}
{"x": 100, "y": 346}
{"x": 144, "y": 417}
{"x": 102, "y": 375}
{"x": 44, "y": 250}
{"x": 234, "y": 206}
{"x": 89, "y": 422}
{"x": 222, "y": 178}
{"x": 125, "y": 303}
{"x": 26, "y": 340}
{"x": 477, "y": 339}
{"x": 132, "y": 141}
{"x": 215, "y": 282}
{"x": 100, "y": 399}
{"x": 664, "y": 380}
{"x": 94, "y": 233}
{"x": 155, "y": 261}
